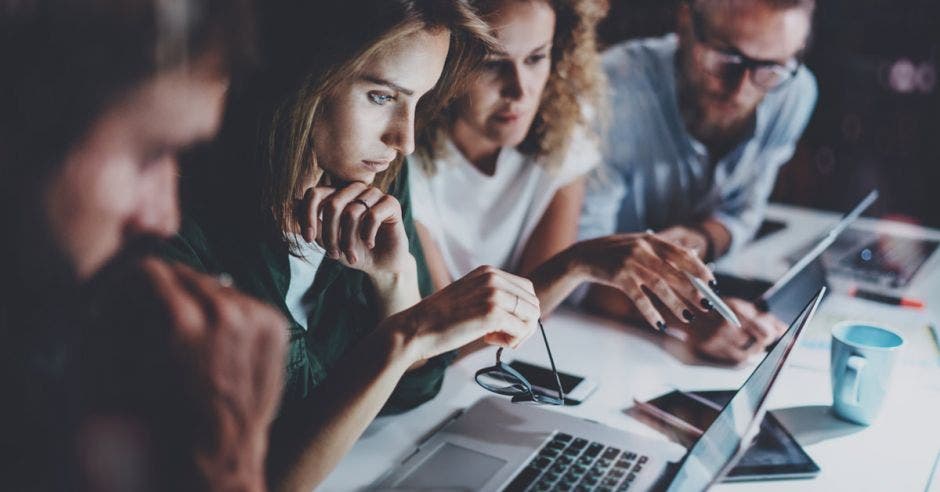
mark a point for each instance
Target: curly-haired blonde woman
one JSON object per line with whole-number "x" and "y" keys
{"x": 500, "y": 177}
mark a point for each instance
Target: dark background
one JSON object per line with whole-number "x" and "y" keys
{"x": 877, "y": 122}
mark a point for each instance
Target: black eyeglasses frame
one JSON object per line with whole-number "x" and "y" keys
{"x": 519, "y": 388}
{"x": 744, "y": 63}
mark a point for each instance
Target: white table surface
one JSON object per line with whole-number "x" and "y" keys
{"x": 896, "y": 453}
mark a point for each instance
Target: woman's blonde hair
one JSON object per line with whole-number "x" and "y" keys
{"x": 309, "y": 49}
{"x": 576, "y": 82}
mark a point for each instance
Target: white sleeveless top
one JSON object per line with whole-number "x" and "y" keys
{"x": 477, "y": 219}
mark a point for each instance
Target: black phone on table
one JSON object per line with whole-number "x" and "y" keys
{"x": 577, "y": 388}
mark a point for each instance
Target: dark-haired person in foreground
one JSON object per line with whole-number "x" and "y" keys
{"x": 96, "y": 101}
{"x": 701, "y": 122}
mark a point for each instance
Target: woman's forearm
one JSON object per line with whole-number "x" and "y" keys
{"x": 556, "y": 278}
{"x": 396, "y": 291}
{"x": 310, "y": 441}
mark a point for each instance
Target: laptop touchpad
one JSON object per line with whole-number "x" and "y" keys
{"x": 453, "y": 467}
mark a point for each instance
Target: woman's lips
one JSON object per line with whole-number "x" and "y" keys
{"x": 507, "y": 116}
{"x": 377, "y": 166}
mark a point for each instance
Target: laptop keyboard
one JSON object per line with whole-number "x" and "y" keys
{"x": 571, "y": 463}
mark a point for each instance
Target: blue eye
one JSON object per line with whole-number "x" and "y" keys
{"x": 534, "y": 59}
{"x": 492, "y": 65}
{"x": 380, "y": 99}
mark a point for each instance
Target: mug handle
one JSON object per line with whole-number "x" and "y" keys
{"x": 852, "y": 378}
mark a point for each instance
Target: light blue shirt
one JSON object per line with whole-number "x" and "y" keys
{"x": 656, "y": 175}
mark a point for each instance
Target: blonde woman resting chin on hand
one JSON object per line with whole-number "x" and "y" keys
{"x": 500, "y": 176}
{"x": 314, "y": 217}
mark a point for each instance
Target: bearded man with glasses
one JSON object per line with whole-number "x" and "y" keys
{"x": 700, "y": 122}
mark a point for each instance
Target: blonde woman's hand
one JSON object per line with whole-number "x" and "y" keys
{"x": 487, "y": 303}
{"x": 359, "y": 225}
{"x": 645, "y": 266}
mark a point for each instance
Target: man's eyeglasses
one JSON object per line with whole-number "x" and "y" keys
{"x": 504, "y": 380}
{"x": 766, "y": 75}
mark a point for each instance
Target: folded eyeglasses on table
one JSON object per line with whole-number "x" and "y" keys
{"x": 504, "y": 380}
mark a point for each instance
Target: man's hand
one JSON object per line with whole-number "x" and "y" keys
{"x": 687, "y": 238}
{"x": 714, "y": 337}
{"x": 232, "y": 348}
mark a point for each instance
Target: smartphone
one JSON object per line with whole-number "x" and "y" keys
{"x": 681, "y": 416}
{"x": 577, "y": 388}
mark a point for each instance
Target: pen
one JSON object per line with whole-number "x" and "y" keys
{"x": 713, "y": 298}
{"x": 886, "y": 299}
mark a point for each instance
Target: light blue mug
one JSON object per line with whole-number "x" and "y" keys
{"x": 862, "y": 360}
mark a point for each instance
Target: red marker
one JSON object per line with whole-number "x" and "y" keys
{"x": 886, "y": 299}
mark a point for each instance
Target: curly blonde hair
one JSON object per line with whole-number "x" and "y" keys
{"x": 576, "y": 82}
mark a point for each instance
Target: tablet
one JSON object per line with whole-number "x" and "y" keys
{"x": 774, "y": 455}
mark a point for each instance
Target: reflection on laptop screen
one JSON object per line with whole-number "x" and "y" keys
{"x": 724, "y": 437}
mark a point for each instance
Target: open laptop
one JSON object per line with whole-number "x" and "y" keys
{"x": 498, "y": 445}
{"x": 786, "y": 297}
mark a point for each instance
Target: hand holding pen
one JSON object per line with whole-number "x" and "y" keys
{"x": 715, "y": 337}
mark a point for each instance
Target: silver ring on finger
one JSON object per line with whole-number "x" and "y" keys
{"x": 750, "y": 343}
{"x": 363, "y": 202}
{"x": 225, "y": 280}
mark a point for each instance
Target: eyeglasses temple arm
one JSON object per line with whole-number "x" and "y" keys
{"x": 551, "y": 360}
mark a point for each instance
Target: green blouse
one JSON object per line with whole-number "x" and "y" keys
{"x": 343, "y": 309}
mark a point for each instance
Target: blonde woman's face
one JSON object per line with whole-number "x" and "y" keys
{"x": 368, "y": 122}
{"x": 505, "y": 97}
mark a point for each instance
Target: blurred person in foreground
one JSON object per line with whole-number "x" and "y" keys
{"x": 97, "y": 100}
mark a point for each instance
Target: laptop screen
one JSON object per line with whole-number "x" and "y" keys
{"x": 813, "y": 254}
{"x": 788, "y": 301}
{"x": 723, "y": 439}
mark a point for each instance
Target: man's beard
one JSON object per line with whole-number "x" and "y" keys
{"x": 39, "y": 271}
{"x": 707, "y": 126}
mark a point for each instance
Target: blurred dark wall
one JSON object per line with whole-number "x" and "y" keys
{"x": 877, "y": 123}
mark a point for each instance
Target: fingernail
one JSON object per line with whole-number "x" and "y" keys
{"x": 661, "y": 326}
{"x": 707, "y": 304}
{"x": 713, "y": 284}
{"x": 688, "y": 315}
